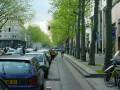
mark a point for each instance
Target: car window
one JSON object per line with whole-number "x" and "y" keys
{"x": 8, "y": 67}
{"x": 40, "y": 58}
{"x": 35, "y": 63}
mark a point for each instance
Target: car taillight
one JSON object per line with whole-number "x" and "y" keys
{"x": 33, "y": 81}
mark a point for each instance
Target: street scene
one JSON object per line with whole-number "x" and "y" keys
{"x": 59, "y": 45}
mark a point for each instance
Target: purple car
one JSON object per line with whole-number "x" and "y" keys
{"x": 21, "y": 73}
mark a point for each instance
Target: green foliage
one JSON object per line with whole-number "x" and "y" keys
{"x": 64, "y": 21}
{"x": 18, "y": 10}
{"x": 37, "y": 35}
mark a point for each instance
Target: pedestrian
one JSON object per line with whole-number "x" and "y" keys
{"x": 23, "y": 50}
{"x": 99, "y": 51}
{"x": 104, "y": 50}
{"x": 52, "y": 54}
{"x": 5, "y": 50}
{"x": 62, "y": 53}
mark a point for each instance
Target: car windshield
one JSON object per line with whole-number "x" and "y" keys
{"x": 9, "y": 67}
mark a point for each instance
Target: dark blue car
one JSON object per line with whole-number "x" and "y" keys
{"x": 21, "y": 73}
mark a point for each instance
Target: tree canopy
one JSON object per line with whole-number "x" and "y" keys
{"x": 18, "y": 10}
{"x": 64, "y": 21}
{"x": 37, "y": 35}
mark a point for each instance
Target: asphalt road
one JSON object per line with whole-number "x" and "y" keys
{"x": 62, "y": 76}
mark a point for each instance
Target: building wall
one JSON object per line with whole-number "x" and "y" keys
{"x": 116, "y": 21}
{"x": 11, "y": 32}
{"x": 102, "y": 24}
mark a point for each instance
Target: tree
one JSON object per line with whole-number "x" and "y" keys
{"x": 108, "y": 53}
{"x": 78, "y": 32}
{"x": 37, "y": 35}
{"x": 83, "y": 31}
{"x": 94, "y": 32}
{"x": 63, "y": 21}
{"x": 17, "y": 10}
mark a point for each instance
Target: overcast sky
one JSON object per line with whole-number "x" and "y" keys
{"x": 42, "y": 16}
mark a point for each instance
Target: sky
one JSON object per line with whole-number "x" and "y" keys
{"x": 41, "y": 15}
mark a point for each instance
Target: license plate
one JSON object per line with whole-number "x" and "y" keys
{"x": 11, "y": 82}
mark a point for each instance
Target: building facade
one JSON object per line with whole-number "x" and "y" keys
{"x": 116, "y": 24}
{"x": 101, "y": 34}
{"x": 12, "y": 35}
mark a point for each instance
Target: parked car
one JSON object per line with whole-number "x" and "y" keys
{"x": 47, "y": 55}
{"x": 11, "y": 51}
{"x": 3, "y": 85}
{"x": 21, "y": 72}
{"x": 44, "y": 64}
{"x": 1, "y": 51}
{"x": 29, "y": 50}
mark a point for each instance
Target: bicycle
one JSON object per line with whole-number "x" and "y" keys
{"x": 112, "y": 76}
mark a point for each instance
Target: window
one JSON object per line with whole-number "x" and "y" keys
{"x": 9, "y": 29}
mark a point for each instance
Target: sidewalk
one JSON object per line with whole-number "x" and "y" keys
{"x": 53, "y": 81}
{"x": 87, "y": 70}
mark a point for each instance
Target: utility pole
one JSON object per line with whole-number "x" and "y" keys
{"x": 78, "y": 32}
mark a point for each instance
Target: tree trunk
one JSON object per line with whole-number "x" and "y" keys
{"x": 78, "y": 34}
{"x": 71, "y": 46}
{"x": 94, "y": 31}
{"x": 108, "y": 53}
{"x": 83, "y": 48}
{"x": 67, "y": 46}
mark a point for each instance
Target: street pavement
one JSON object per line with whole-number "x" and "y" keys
{"x": 63, "y": 76}
{"x": 82, "y": 68}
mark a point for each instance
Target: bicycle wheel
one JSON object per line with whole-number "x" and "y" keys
{"x": 109, "y": 80}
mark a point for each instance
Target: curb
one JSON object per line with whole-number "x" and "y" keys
{"x": 83, "y": 71}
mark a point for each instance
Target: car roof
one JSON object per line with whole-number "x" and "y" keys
{"x": 35, "y": 53}
{"x": 16, "y": 57}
